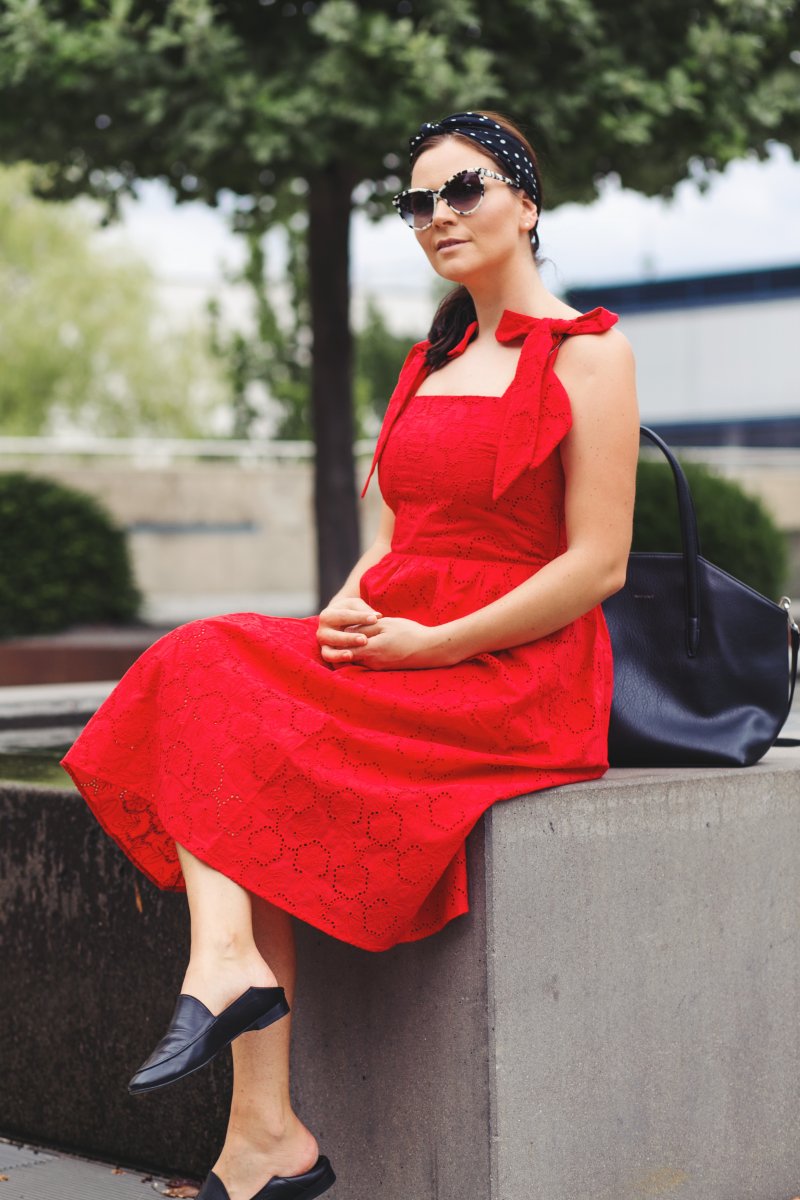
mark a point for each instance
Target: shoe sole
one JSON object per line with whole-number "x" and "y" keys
{"x": 316, "y": 1189}
{"x": 269, "y": 1018}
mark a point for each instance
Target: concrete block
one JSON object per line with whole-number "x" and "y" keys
{"x": 616, "y": 1017}
{"x": 644, "y": 968}
{"x": 93, "y": 957}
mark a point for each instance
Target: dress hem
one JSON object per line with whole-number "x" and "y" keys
{"x": 76, "y": 775}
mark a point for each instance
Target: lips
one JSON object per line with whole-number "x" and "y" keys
{"x": 449, "y": 242}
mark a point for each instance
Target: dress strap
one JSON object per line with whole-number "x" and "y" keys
{"x": 411, "y": 376}
{"x": 412, "y": 373}
{"x": 538, "y": 414}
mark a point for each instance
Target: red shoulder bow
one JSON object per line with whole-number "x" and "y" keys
{"x": 537, "y": 415}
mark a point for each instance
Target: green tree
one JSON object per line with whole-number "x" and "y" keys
{"x": 275, "y": 357}
{"x": 77, "y": 340}
{"x": 379, "y": 355}
{"x": 277, "y": 353}
{"x": 291, "y": 106}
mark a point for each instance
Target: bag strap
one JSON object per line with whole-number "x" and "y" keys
{"x": 794, "y": 634}
{"x": 690, "y": 542}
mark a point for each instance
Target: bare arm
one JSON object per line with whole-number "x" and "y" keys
{"x": 599, "y": 458}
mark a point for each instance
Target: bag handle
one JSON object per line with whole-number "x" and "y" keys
{"x": 794, "y": 635}
{"x": 690, "y": 542}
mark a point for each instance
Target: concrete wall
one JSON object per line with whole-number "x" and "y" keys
{"x": 224, "y": 528}
{"x": 615, "y": 1018}
{"x": 213, "y": 528}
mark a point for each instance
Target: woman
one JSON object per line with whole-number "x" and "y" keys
{"x": 332, "y": 767}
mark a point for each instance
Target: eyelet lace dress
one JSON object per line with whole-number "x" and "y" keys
{"x": 343, "y": 793}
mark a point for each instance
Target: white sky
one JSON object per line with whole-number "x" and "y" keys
{"x": 749, "y": 217}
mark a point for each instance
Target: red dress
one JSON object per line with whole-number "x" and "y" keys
{"x": 344, "y": 794}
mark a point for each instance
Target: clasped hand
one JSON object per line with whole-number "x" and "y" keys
{"x": 351, "y": 631}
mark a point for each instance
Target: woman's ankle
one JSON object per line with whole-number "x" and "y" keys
{"x": 223, "y": 945}
{"x": 257, "y": 1139}
{"x": 218, "y": 980}
{"x": 278, "y": 1144}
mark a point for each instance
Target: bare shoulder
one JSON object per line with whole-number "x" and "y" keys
{"x": 598, "y": 374}
{"x": 594, "y": 354}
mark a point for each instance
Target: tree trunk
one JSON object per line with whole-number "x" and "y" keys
{"x": 331, "y": 378}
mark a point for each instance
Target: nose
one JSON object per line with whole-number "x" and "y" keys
{"x": 441, "y": 208}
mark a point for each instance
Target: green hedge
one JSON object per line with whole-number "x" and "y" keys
{"x": 736, "y": 532}
{"x": 63, "y": 562}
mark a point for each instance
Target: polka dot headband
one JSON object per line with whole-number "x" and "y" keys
{"x": 486, "y": 132}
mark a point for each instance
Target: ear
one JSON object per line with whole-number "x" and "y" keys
{"x": 529, "y": 214}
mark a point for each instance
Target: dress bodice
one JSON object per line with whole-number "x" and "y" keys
{"x": 535, "y": 412}
{"x": 475, "y": 482}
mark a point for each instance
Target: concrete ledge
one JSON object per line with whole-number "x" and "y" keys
{"x": 644, "y": 971}
{"x": 615, "y": 1018}
{"x": 30, "y": 707}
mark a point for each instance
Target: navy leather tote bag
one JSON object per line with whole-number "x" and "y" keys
{"x": 704, "y": 666}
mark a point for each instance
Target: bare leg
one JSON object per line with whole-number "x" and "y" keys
{"x": 234, "y": 938}
{"x": 224, "y": 959}
{"x": 265, "y": 1137}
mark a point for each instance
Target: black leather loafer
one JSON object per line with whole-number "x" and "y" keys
{"x": 296, "y": 1187}
{"x": 194, "y": 1035}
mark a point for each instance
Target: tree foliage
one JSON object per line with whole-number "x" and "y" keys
{"x": 233, "y": 95}
{"x": 274, "y": 361}
{"x": 271, "y": 365}
{"x": 77, "y": 339}
{"x": 378, "y": 359}
{"x": 303, "y": 105}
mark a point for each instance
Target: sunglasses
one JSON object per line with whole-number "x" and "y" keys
{"x": 462, "y": 193}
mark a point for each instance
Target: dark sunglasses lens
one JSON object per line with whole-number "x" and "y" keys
{"x": 416, "y": 209}
{"x": 464, "y": 192}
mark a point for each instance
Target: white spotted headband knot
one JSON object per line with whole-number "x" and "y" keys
{"x": 486, "y": 132}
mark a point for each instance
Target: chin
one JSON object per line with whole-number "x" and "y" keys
{"x": 466, "y": 272}
{"x": 455, "y": 272}
{"x": 451, "y": 276}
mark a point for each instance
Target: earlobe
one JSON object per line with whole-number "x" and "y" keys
{"x": 530, "y": 216}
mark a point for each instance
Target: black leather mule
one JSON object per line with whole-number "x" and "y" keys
{"x": 295, "y": 1187}
{"x": 194, "y": 1035}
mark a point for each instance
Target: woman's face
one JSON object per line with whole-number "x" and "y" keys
{"x": 461, "y": 248}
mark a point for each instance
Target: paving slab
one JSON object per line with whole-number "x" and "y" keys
{"x": 30, "y": 1173}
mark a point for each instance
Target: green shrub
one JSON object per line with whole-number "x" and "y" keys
{"x": 736, "y": 532}
{"x": 63, "y": 561}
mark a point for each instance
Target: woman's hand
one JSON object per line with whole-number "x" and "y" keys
{"x": 350, "y": 631}
{"x": 340, "y": 627}
{"x": 400, "y": 643}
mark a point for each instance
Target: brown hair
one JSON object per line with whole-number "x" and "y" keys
{"x": 456, "y": 311}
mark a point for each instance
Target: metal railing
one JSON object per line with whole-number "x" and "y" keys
{"x": 164, "y": 449}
